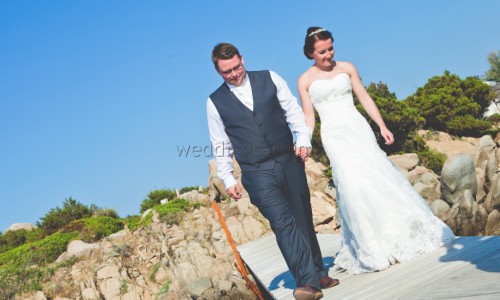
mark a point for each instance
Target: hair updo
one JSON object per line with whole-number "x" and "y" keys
{"x": 315, "y": 34}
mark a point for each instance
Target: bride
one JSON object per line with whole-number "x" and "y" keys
{"x": 383, "y": 219}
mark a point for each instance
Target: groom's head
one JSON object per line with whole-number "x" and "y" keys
{"x": 229, "y": 63}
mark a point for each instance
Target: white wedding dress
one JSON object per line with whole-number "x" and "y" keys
{"x": 383, "y": 220}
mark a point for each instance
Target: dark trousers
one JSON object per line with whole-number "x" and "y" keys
{"x": 282, "y": 196}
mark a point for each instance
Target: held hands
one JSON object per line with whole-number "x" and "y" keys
{"x": 388, "y": 137}
{"x": 302, "y": 152}
{"x": 235, "y": 191}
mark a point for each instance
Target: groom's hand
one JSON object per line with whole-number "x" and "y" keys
{"x": 303, "y": 152}
{"x": 235, "y": 191}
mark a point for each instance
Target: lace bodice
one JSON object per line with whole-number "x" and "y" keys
{"x": 328, "y": 90}
{"x": 332, "y": 97}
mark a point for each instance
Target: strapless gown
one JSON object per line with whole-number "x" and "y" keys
{"x": 383, "y": 219}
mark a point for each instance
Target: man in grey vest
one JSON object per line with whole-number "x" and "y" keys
{"x": 250, "y": 116}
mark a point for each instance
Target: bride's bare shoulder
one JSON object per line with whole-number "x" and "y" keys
{"x": 305, "y": 79}
{"x": 345, "y": 66}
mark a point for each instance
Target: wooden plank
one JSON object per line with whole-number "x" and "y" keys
{"x": 469, "y": 268}
{"x": 408, "y": 280}
{"x": 266, "y": 262}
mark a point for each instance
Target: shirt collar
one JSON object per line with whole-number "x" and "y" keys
{"x": 244, "y": 83}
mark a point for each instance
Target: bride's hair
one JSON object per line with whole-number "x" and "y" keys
{"x": 315, "y": 34}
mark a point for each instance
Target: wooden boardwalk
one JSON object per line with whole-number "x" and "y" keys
{"x": 469, "y": 268}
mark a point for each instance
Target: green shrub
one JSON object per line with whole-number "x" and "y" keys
{"x": 493, "y": 132}
{"x": 153, "y": 271}
{"x": 164, "y": 289}
{"x": 57, "y": 217}
{"x": 467, "y": 126}
{"x": 188, "y": 189}
{"x": 147, "y": 220}
{"x": 123, "y": 249}
{"x": 95, "y": 228}
{"x": 494, "y": 118}
{"x": 450, "y": 104}
{"x": 175, "y": 205}
{"x": 23, "y": 269}
{"x": 318, "y": 152}
{"x": 432, "y": 160}
{"x": 154, "y": 198}
{"x": 401, "y": 119}
{"x": 174, "y": 211}
{"x": 12, "y": 239}
{"x": 132, "y": 222}
{"x": 414, "y": 143}
{"x": 39, "y": 252}
{"x": 106, "y": 212}
{"x": 124, "y": 287}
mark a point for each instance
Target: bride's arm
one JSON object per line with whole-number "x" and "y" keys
{"x": 305, "y": 100}
{"x": 368, "y": 103}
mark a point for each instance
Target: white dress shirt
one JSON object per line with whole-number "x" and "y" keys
{"x": 223, "y": 150}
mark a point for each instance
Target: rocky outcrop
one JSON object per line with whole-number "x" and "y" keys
{"x": 470, "y": 185}
{"x": 193, "y": 259}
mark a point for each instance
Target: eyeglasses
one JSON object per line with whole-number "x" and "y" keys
{"x": 236, "y": 68}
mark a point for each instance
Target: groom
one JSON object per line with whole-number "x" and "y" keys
{"x": 249, "y": 117}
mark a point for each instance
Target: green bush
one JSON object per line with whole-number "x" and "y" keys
{"x": 174, "y": 211}
{"x": 123, "y": 249}
{"x": 106, "y": 212}
{"x": 39, "y": 252}
{"x": 12, "y": 239}
{"x": 147, "y": 220}
{"x": 175, "y": 205}
{"x": 467, "y": 126}
{"x": 188, "y": 189}
{"x": 23, "y": 269}
{"x": 95, "y": 228}
{"x": 154, "y": 198}
{"x": 132, "y": 222}
{"x": 450, "y": 104}
{"x": 494, "y": 118}
{"x": 318, "y": 152}
{"x": 163, "y": 290}
{"x": 401, "y": 119}
{"x": 432, "y": 160}
{"x": 57, "y": 217}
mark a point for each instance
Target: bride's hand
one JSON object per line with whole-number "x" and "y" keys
{"x": 302, "y": 152}
{"x": 388, "y": 137}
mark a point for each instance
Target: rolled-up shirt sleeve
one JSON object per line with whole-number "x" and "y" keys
{"x": 293, "y": 112}
{"x": 222, "y": 147}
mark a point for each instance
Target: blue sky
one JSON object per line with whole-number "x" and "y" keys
{"x": 96, "y": 97}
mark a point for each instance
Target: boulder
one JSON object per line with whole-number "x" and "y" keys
{"x": 197, "y": 287}
{"x": 406, "y": 161}
{"x": 18, "y": 226}
{"x": 493, "y": 198}
{"x": 493, "y": 223}
{"x": 195, "y": 196}
{"x": 440, "y": 209}
{"x": 428, "y": 186}
{"x": 458, "y": 175}
{"x": 466, "y": 217}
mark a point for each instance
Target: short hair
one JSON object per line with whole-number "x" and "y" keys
{"x": 224, "y": 51}
{"x": 315, "y": 34}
